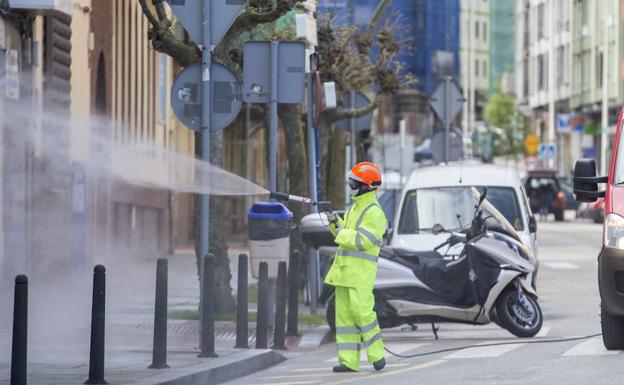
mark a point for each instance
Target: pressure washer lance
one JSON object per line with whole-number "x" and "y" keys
{"x": 291, "y": 198}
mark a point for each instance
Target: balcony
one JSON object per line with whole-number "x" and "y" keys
{"x": 62, "y": 6}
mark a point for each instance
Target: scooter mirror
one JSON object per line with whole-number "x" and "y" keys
{"x": 437, "y": 229}
{"x": 483, "y": 195}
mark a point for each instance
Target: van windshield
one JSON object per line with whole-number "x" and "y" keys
{"x": 423, "y": 208}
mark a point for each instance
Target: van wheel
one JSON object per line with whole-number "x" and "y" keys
{"x": 330, "y": 315}
{"x": 612, "y": 329}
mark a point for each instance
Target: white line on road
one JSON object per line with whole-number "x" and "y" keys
{"x": 411, "y": 368}
{"x": 593, "y": 347}
{"x": 561, "y": 265}
{"x": 484, "y": 352}
{"x": 543, "y": 332}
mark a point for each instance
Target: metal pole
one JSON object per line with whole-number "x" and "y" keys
{"x": 273, "y": 136}
{"x": 159, "y": 351}
{"x": 98, "y": 312}
{"x": 352, "y": 130}
{"x": 20, "y": 331}
{"x": 604, "y": 135}
{"x": 207, "y": 308}
{"x": 447, "y": 118}
{"x": 279, "y": 336}
{"x": 262, "y": 320}
{"x": 402, "y": 128}
{"x": 242, "y": 304}
{"x": 313, "y": 255}
{"x": 293, "y": 293}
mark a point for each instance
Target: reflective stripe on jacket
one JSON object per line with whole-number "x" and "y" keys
{"x": 359, "y": 240}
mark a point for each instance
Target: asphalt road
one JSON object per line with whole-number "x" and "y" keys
{"x": 569, "y": 297}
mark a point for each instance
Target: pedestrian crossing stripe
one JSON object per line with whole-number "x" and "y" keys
{"x": 561, "y": 265}
{"x": 593, "y": 347}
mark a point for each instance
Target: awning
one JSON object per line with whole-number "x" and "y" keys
{"x": 63, "y": 6}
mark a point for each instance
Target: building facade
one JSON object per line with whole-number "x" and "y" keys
{"x": 76, "y": 80}
{"x": 502, "y": 39}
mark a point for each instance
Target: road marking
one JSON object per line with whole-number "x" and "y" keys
{"x": 593, "y": 347}
{"x": 543, "y": 332}
{"x": 376, "y": 376}
{"x": 561, "y": 265}
{"x": 395, "y": 347}
{"x": 485, "y": 351}
{"x": 292, "y": 383}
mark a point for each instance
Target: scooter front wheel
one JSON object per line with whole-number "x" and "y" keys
{"x": 519, "y": 313}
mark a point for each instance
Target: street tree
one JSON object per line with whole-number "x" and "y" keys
{"x": 355, "y": 59}
{"x": 500, "y": 112}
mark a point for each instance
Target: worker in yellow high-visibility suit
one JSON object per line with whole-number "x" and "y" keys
{"x": 359, "y": 237}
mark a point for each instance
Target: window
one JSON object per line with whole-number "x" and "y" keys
{"x": 485, "y": 69}
{"x": 599, "y": 65}
{"x": 476, "y": 29}
{"x": 476, "y": 68}
{"x": 423, "y": 208}
{"x": 562, "y": 66}
{"x": 542, "y": 72}
{"x": 541, "y": 28}
{"x": 485, "y": 32}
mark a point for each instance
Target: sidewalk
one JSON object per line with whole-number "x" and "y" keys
{"x": 59, "y": 329}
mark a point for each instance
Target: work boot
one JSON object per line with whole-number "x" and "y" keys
{"x": 378, "y": 365}
{"x": 343, "y": 369}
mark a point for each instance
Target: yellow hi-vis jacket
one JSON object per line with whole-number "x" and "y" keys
{"x": 359, "y": 239}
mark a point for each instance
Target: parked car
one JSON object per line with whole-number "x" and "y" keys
{"x": 543, "y": 187}
{"x": 592, "y": 210}
{"x": 429, "y": 198}
{"x": 611, "y": 258}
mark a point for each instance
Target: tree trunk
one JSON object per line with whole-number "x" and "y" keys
{"x": 224, "y": 302}
{"x": 333, "y": 158}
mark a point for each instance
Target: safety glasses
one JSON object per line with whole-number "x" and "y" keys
{"x": 354, "y": 184}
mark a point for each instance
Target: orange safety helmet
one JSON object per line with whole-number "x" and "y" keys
{"x": 367, "y": 173}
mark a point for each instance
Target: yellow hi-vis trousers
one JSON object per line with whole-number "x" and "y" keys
{"x": 356, "y": 326}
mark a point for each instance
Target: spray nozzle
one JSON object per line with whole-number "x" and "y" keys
{"x": 282, "y": 197}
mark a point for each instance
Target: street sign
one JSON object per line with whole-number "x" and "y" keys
{"x": 186, "y": 96}
{"x": 363, "y": 122}
{"x": 447, "y": 97}
{"x": 189, "y": 12}
{"x": 290, "y": 72}
{"x": 563, "y": 123}
{"x": 531, "y": 144}
{"x": 438, "y": 146}
{"x": 547, "y": 151}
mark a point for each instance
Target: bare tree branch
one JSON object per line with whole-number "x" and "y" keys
{"x": 381, "y": 8}
{"x": 160, "y": 9}
{"x": 148, "y": 14}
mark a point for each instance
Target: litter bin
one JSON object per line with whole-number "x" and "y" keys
{"x": 270, "y": 224}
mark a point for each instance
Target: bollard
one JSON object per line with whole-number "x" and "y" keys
{"x": 262, "y": 322}
{"x": 279, "y": 337}
{"x": 159, "y": 352}
{"x": 293, "y": 293}
{"x": 96, "y": 357}
{"x": 242, "y": 304}
{"x": 207, "y": 308}
{"x": 20, "y": 330}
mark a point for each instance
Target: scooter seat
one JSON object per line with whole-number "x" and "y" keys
{"x": 417, "y": 258}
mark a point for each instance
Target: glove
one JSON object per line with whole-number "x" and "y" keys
{"x": 332, "y": 218}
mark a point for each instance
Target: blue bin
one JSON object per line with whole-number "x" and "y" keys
{"x": 270, "y": 224}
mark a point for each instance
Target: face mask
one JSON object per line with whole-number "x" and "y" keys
{"x": 353, "y": 193}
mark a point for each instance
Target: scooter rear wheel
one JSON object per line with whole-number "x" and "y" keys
{"x": 522, "y": 317}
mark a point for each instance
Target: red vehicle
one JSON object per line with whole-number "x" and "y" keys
{"x": 611, "y": 258}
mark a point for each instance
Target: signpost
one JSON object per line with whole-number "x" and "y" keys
{"x": 273, "y": 72}
{"x": 547, "y": 151}
{"x": 206, "y": 21}
{"x": 355, "y": 100}
{"x": 186, "y": 97}
{"x": 531, "y": 144}
{"x": 446, "y": 102}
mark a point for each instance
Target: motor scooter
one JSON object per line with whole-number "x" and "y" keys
{"x": 478, "y": 275}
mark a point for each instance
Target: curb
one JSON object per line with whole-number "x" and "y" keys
{"x": 316, "y": 337}
{"x": 227, "y": 369}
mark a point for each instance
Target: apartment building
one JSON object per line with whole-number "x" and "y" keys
{"x": 502, "y": 47}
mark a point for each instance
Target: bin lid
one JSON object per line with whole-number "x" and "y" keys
{"x": 269, "y": 210}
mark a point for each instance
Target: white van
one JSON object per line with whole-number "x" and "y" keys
{"x": 434, "y": 195}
